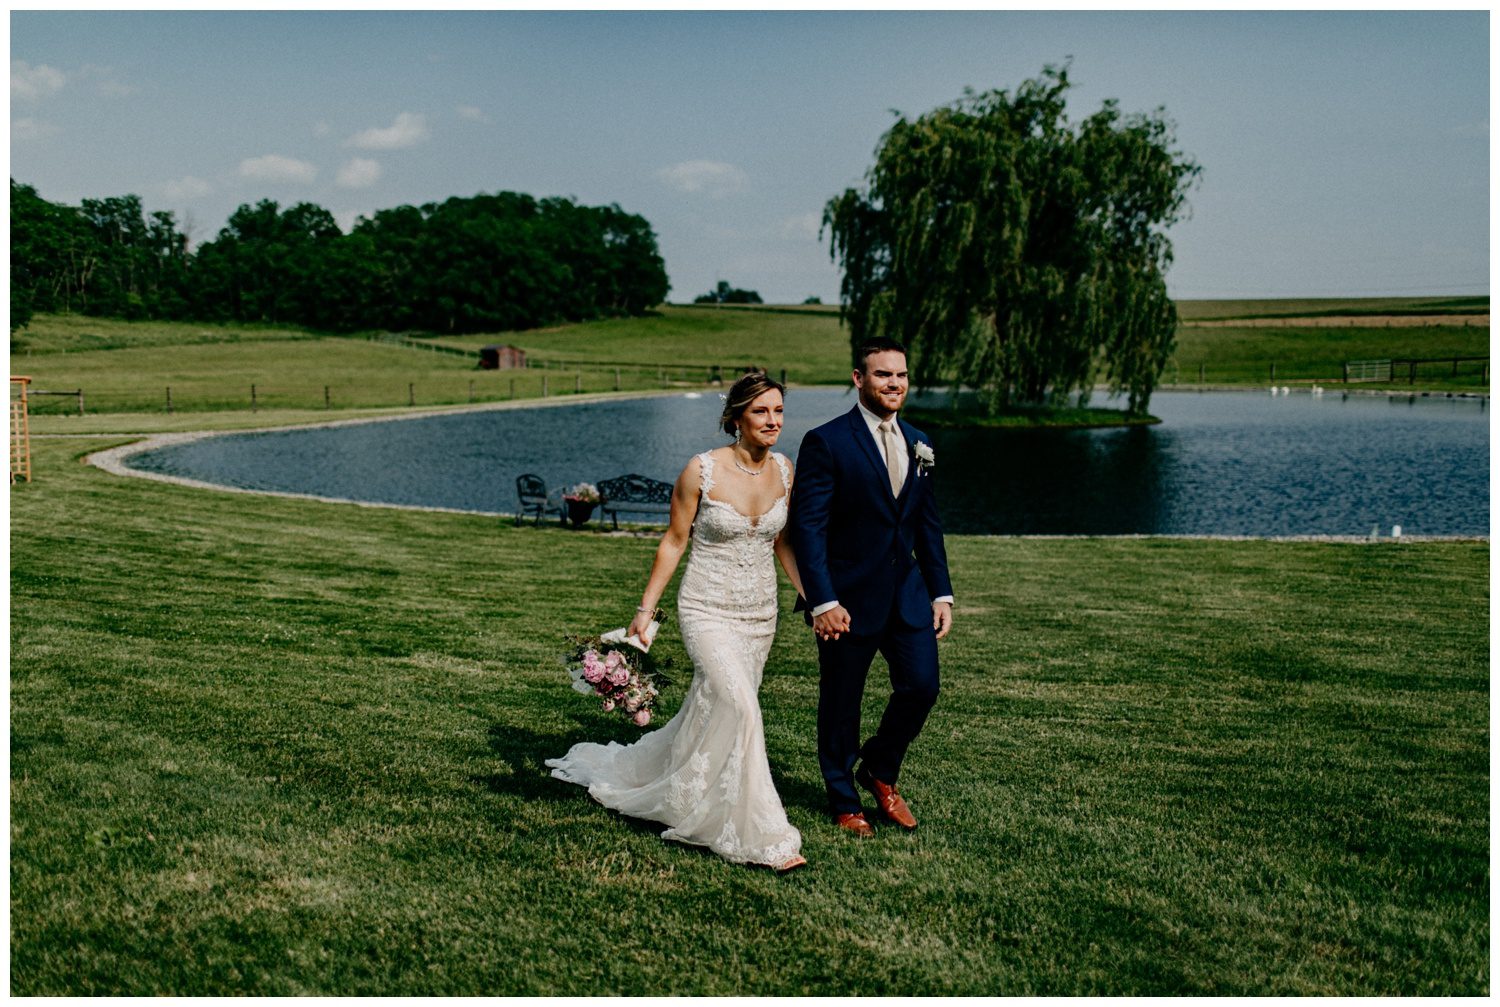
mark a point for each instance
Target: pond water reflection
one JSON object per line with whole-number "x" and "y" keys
{"x": 1234, "y": 463}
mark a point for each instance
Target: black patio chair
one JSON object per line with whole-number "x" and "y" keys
{"x": 532, "y": 492}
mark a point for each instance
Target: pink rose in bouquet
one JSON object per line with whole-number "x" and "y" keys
{"x": 623, "y": 677}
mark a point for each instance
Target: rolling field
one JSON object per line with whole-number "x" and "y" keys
{"x": 49, "y": 334}
{"x": 277, "y": 747}
{"x": 812, "y": 348}
{"x": 126, "y": 367}
{"x": 289, "y": 370}
{"x": 1243, "y": 356}
{"x": 1195, "y": 311}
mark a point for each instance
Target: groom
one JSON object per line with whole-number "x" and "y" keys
{"x": 865, "y": 531}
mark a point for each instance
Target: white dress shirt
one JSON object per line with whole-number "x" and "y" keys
{"x": 903, "y": 464}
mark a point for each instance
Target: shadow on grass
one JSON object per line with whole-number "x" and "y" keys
{"x": 800, "y": 792}
{"x": 525, "y": 752}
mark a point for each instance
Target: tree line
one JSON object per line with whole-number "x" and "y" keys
{"x": 467, "y": 264}
{"x": 726, "y": 294}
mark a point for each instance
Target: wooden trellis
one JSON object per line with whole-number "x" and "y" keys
{"x": 20, "y": 430}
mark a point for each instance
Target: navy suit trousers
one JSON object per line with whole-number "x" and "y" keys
{"x": 844, "y": 664}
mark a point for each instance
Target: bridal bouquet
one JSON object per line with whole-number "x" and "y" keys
{"x": 619, "y": 672}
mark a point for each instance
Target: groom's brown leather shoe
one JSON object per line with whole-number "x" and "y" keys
{"x": 887, "y": 800}
{"x": 855, "y": 823}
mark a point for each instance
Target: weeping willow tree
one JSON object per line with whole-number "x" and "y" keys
{"x": 1017, "y": 253}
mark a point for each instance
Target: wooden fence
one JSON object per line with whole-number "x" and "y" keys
{"x": 1356, "y": 371}
{"x": 76, "y": 395}
{"x": 549, "y": 379}
{"x": 666, "y": 373}
{"x": 1411, "y": 364}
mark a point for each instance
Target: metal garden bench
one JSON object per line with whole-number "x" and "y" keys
{"x": 634, "y": 494}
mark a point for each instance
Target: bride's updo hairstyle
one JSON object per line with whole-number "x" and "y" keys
{"x": 743, "y": 392}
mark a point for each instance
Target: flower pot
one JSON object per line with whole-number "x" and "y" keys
{"x": 579, "y": 511}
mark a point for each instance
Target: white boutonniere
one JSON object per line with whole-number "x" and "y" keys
{"x": 925, "y": 460}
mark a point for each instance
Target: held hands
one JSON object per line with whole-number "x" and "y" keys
{"x": 942, "y": 617}
{"x": 835, "y": 622}
{"x": 831, "y": 624}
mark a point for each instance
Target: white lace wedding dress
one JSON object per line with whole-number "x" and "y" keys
{"x": 704, "y": 773}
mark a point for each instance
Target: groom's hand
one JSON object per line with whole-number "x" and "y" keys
{"x": 832, "y": 623}
{"x": 942, "y": 617}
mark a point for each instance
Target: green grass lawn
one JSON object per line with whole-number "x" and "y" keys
{"x": 1243, "y": 356}
{"x": 125, "y": 367}
{"x": 270, "y": 746}
{"x": 1305, "y": 307}
{"x": 809, "y": 346}
{"x": 83, "y": 333}
{"x": 306, "y": 373}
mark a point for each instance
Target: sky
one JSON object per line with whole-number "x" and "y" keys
{"x": 1343, "y": 153}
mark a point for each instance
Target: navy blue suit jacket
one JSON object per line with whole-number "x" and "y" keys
{"x": 857, "y": 544}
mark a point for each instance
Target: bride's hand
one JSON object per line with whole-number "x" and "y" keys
{"x": 639, "y": 626}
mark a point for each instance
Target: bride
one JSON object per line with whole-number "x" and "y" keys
{"x": 704, "y": 773}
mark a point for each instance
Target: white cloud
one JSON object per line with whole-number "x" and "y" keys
{"x": 321, "y": 129}
{"x": 275, "y": 168}
{"x": 105, "y": 81}
{"x": 408, "y": 129}
{"x": 359, "y": 173}
{"x": 712, "y": 178}
{"x": 472, "y": 114}
{"x": 27, "y": 81}
{"x": 30, "y": 129}
{"x": 346, "y": 219}
{"x": 186, "y": 188}
{"x": 803, "y": 225}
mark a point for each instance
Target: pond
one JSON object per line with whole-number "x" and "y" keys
{"x": 1220, "y": 463}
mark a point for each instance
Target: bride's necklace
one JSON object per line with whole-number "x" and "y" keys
{"x": 734, "y": 457}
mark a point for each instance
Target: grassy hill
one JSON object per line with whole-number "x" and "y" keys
{"x": 810, "y": 346}
{"x": 1193, "y": 311}
{"x": 127, "y": 367}
{"x": 1232, "y": 355}
{"x": 278, "y": 747}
